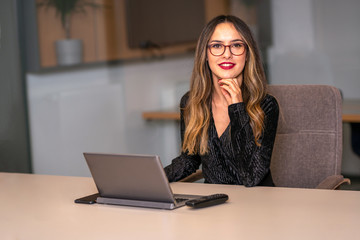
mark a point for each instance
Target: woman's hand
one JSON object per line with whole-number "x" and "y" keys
{"x": 230, "y": 88}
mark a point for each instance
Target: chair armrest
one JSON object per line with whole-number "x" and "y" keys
{"x": 333, "y": 182}
{"x": 193, "y": 177}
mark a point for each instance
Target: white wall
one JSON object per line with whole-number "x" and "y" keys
{"x": 316, "y": 42}
{"x": 99, "y": 110}
{"x": 337, "y": 36}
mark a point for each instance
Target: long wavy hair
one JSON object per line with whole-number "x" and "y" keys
{"x": 197, "y": 110}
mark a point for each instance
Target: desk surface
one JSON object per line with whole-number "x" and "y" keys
{"x": 42, "y": 207}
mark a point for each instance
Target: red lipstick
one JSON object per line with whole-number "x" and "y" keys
{"x": 226, "y": 65}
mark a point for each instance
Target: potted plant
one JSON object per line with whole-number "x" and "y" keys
{"x": 68, "y": 51}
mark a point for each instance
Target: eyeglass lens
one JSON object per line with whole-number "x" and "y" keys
{"x": 218, "y": 49}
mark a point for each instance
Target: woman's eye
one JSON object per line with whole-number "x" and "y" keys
{"x": 237, "y": 45}
{"x": 216, "y": 46}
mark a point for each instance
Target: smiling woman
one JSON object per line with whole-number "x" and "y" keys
{"x": 228, "y": 121}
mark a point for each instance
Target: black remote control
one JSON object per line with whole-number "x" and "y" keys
{"x": 207, "y": 201}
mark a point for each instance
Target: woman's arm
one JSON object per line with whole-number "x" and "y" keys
{"x": 185, "y": 164}
{"x": 182, "y": 166}
{"x": 251, "y": 161}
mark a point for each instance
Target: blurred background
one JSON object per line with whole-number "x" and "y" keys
{"x": 135, "y": 56}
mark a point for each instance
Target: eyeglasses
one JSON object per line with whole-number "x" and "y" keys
{"x": 218, "y": 49}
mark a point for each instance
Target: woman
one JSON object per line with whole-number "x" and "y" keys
{"x": 228, "y": 122}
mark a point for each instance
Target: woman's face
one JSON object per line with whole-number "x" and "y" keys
{"x": 226, "y": 65}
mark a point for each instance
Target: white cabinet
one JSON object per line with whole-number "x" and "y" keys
{"x": 67, "y": 123}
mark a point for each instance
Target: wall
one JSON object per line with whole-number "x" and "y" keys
{"x": 316, "y": 42}
{"x": 99, "y": 110}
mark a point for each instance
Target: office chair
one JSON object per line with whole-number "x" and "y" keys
{"x": 308, "y": 145}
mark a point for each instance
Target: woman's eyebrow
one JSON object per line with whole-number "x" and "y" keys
{"x": 237, "y": 40}
{"x": 215, "y": 41}
{"x": 234, "y": 40}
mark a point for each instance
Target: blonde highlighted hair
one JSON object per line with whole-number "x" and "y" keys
{"x": 197, "y": 110}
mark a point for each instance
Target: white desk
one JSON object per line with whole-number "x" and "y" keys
{"x": 42, "y": 207}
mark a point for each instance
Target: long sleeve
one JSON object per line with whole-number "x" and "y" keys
{"x": 182, "y": 166}
{"x": 252, "y": 162}
{"x": 185, "y": 164}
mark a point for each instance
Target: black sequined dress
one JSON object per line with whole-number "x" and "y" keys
{"x": 233, "y": 158}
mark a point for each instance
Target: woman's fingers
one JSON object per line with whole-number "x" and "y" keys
{"x": 229, "y": 94}
{"x": 232, "y": 91}
{"x": 232, "y": 83}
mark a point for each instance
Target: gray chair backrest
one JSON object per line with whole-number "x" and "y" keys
{"x": 308, "y": 144}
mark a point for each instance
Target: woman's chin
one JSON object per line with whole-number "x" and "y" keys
{"x": 228, "y": 77}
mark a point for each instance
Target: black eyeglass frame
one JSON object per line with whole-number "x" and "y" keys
{"x": 225, "y": 46}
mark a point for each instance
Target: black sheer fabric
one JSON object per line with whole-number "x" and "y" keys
{"x": 233, "y": 158}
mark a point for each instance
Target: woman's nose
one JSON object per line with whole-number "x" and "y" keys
{"x": 227, "y": 53}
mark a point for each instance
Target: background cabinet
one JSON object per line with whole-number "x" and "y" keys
{"x": 105, "y": 31}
